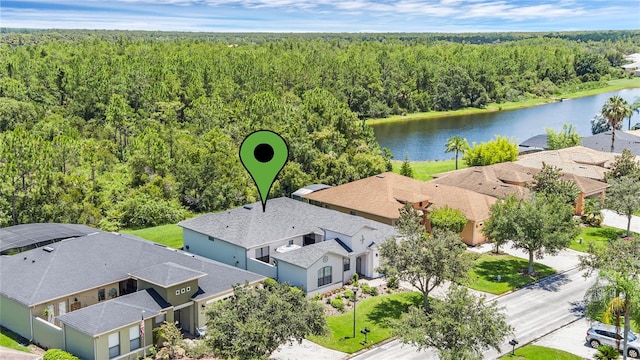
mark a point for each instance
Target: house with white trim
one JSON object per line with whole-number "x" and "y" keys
{"x": 314, "y": 248}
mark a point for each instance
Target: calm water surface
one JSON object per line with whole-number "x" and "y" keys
{"x": 425, "y": 139}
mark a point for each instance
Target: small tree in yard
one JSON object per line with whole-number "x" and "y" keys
{"x": 425, "y": 261}
{"x": 616, "y": 293}
{"x": 540, "y": 225}
{"x": 623, "y": 165}
{"x": 549, "y": 181}
{"x": 623, "y": 197}
{"x": 447, "y": 218}
{"x": 256, "y": 320}
{"x": 172, "y": 342}
{"x": 568, "y": 137}
{"x": 458, "y": 145}
{"x": 461, "y": 326}
{"x": 405, "y": 169}
{"x": 492, "y": 152}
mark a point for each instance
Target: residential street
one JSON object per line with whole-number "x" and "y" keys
{"x": 533, "y": 311}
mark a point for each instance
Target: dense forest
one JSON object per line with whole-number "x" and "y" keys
{"x": 130, "y": 129}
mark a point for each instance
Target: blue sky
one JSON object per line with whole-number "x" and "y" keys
{"x": 324, "y": 15}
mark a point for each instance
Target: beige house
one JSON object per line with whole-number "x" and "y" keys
{"x": 500, "y": 180}
{"x": 578, "y": 160}
{"x": 381, "y": 197}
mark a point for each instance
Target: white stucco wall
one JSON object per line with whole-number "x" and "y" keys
{"x": 335, "y": 262}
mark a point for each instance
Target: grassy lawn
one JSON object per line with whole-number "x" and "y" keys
{"x": 373, "y": 313}
{"x": 489, "y": 266}
{"x": 493, "y": 107}
{"x": 8, "y": 340}
{"x": 540, "y": 352}
{"x": 169, "y": 235}
{"x": 599, "y": 236}
{"x": 422, "y": 170}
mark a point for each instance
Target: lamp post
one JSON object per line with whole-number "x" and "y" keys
{"x": 355, "y": 299}
{"x": 144, "y": 351}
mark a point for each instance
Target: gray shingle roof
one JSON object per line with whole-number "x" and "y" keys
{"x": 25, "y": 235}
{"x": 249, "y": 226}
{"x": 602, "y": 142}
{"x": 87, "y": 262}
{"x": 308, "y": 255}
{"x": 167, "y": 274}
{"x": 538, "y": 141}
{"x": 113, "y": 314}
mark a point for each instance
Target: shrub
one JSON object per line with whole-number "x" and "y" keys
{"x": 349, "y": 295}
{"x": 355, "y": 279}
{"x": 373, "y": 291}
{"x": 317, "y": 297}
{"x": 392, "y": 282}
{"x": 198, "y": 350}
{"x": 57, "y": 354}
{"x": 338, "y": 304}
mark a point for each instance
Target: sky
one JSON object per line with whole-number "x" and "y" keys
{"x": 324, "y": 15}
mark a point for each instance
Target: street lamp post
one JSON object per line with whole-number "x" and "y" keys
{"x": 144, "y": 343}
{"x": 355, "y": 299}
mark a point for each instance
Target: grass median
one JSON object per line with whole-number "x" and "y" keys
{"x": 540, "y": 352}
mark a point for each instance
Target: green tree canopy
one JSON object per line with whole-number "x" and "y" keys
{"x": 425, "y": 261}
{"x": 623, "y": 165}
{"x": 568, "y": 137}
{"x": 623, "y": 197}
{"x": 540, "y": 224}
{"x": 461, "y": 326}
{"x": 448, "y": 219}
{"x": 256, "y": 320}
{"x": 549, "y": 182}
{"x": 501, "y": 149}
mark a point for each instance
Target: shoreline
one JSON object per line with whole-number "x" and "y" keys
{"x": 614, "y": 85}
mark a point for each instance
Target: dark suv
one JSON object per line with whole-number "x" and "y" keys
{"x": 601, "y": 334}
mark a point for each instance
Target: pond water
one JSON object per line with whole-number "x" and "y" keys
{"x": 426, "y": 139}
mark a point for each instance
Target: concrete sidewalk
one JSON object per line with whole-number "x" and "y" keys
{"x": 613, "y": 219}
{"x": 11, "y": 354}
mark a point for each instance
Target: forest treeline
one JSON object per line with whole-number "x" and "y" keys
{"x": 125, "y": 129}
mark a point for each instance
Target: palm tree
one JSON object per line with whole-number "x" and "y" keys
{"x": 457, "y": 144}
{"x": 606, "y": 352}
{"x": 635, "y": 108}
{"x": 615, "y": 110}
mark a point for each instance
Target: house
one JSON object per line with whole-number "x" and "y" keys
{"x": 297, "y": 195}
{"x": 533, "y": 144}
{"x": 500, "y": 180}
{"x": 577, "y": 160}
{"x": 89, "y": 295}
{"x": 291, "y": 241}
{"x": 624, "y": 140}
{"x": 378, "y": 197}
{"x": 474, "y": 206}
{"x": 381, "y": 197}
{"x": 633, "y": 65}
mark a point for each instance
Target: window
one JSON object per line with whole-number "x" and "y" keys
{"x": 290, "y": 242}
{"x": 160, "y": 319}
{"x": 308, "y": 239}
{"x": 114, "y": 345}
{"x": 101, "y": 295}
{"x": 352, "y": 212}
{"x": 346, "y": 264}
{"x": 134, "y": 337}
{"x": 262, "y": 254}
{"x": 324, "y": 276}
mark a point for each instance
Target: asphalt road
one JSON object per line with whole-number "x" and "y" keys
{"x": 533, "y": 311}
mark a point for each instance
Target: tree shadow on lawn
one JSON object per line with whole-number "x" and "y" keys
{"x": 606, "y": 233}
{"x": 391, "y": 309}
{"x": 510, "y": 271}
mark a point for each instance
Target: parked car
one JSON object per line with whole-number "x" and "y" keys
{"x": 602, "y": 334}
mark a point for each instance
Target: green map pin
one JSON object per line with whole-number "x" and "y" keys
{"x": 264, "y": 153}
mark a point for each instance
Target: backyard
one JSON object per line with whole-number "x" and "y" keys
{"x": 422, "y": 170}
{"x": 11, "y": 340}
{"x": 168, "y": 235}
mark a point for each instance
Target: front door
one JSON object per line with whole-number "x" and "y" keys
{"x": 359, "y": 265}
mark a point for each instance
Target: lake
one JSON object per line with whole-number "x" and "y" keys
{"x": 426, "y": 139}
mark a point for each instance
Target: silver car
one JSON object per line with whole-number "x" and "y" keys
{"x": 601, "y": 334}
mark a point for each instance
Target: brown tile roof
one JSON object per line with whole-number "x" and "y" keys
{"x": 576, "y": 160}
{"x": 474, "y": 206}
{"x": 381, "y": 195}
{"x": 494, "y": 180}
{"x": 384, "y": 195}
{"x": 586, "y": 185}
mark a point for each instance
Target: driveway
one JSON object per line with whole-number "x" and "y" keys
{"x": 613, "y": 219}
{"x": 570, "y": 339}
